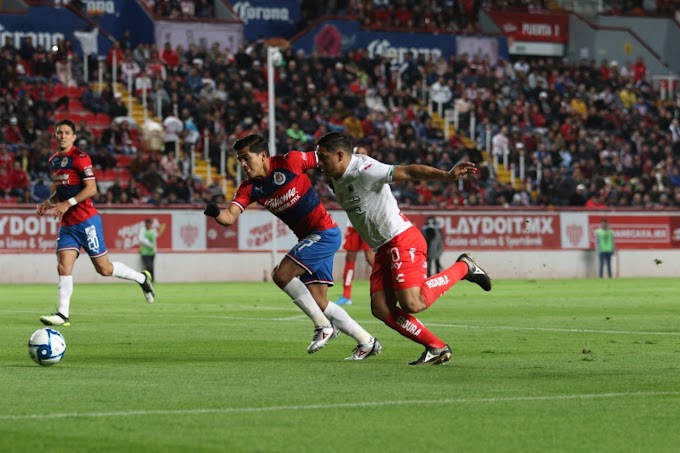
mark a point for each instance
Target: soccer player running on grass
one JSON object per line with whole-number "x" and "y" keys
{"x": 74, "y": 185}
{"x": 399, "y": 284}
{"x": 279, "y": 183}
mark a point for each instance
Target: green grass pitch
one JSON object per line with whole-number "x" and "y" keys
{"x": 548, "y": 365}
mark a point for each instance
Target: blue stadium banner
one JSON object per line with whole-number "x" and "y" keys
{"x": 330, "y": 37}
{"x": 46, "y": 24}
{"x": 115, "y": 16}
{"x": 263, "y": 18}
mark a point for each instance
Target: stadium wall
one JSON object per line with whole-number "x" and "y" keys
{"x": 510, "y": 243}
{"x": 245, "y": 266}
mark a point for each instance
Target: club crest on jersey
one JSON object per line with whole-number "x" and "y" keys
{"x": 64, "y": 162}
{"x": 279, "y": 178}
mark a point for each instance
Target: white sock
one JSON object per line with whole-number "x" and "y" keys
{"x": 303, "y": 298}
{"x": 343, "y": 321}
{"x": 64, "y": 291}
{"x": 121, "y": 270}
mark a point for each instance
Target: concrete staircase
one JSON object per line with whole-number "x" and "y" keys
{"x": 201, "y": 170}
{"x": 502, "y": 174}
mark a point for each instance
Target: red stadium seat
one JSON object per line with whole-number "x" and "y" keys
{"x": 103, "y": 119}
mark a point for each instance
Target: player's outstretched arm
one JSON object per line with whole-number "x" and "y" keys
{"x": 427, "y": 173}
{"x": 225, "y": 217}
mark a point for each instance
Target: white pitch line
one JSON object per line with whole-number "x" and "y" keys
{"x": 242, "y": 410}
{"x": 555, "y": 329}
{"x": 371, "y": 321}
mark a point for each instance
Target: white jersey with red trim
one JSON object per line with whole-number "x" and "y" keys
{"x": 364, "y": 193}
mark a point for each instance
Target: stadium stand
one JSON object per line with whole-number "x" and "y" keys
{"x": 589, "y": 133}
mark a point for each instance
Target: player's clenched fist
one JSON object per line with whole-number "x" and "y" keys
{"x": 212, "y": 210}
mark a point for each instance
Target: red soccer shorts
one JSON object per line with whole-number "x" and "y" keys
{"x": 401, "y": 263}
{"x": 353, "y": 242}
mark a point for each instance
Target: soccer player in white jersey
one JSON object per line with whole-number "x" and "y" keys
{"x": 399, "y": 283}
{"x": 353, "y": 245}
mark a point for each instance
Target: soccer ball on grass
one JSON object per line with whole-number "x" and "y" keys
{"x": 46, "y": 347}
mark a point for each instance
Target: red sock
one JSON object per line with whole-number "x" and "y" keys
{"x": 409, "y": 326}
{"x": 434, "y": 287}
{"x": 347, "y": 277}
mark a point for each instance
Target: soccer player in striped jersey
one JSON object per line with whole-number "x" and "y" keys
{"x": 279, "y": 183}
{"x": 74, "y": 185}
{"x": 399, "y": 282}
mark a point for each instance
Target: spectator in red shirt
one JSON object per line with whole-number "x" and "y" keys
{"x": 155, "y": 67}
{"x": 18, "y": 179}
{"x": 6, "y": 159}
{"x": 170, "y": 57}
{"x": 5, "y": 183}
{"x": 639, "y": 69}
{"x": 596, "y": 201}
{"x": 115, "y": 49}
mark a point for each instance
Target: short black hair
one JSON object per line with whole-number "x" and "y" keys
{"x": 66, "y": 122}
{"x": 335, "y": 141}
{"x": 257, "y": 144}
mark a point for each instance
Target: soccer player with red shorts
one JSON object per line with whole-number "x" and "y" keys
{"x": 399, "y": 282}
{"x": 74, "y": 185}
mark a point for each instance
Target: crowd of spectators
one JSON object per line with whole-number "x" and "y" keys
{"x": 591, "y": 134}
{"x": 440, "y": 16}
{"x": 181, "y": 9}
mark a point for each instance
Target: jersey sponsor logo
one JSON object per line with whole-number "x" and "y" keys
{"x": 60, "y": 179}
{"x": 408, "y": 326}
{"x": 283, "y": 202}
{"x": 279, "y": 178}
{"x": 438, "y": 281}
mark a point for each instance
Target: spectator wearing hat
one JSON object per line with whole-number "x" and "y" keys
{"x": 13, "y": 134}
